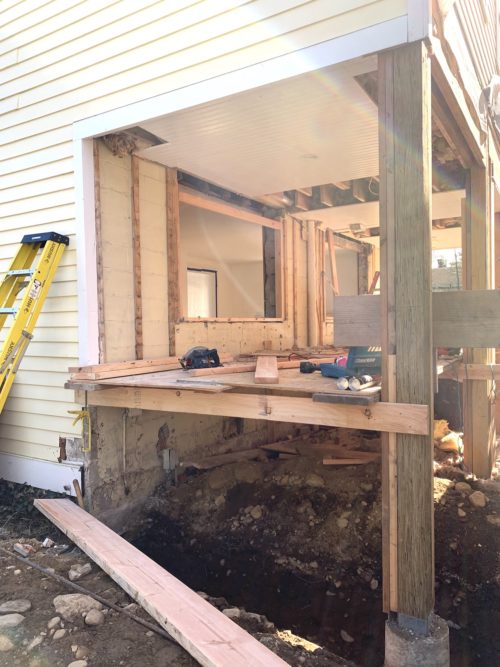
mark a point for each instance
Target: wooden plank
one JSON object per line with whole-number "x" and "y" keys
{"x": 461, "y": 318}
{"x": 333, "y": 262}
{"x": 478, "y": 231}
{"x": 405, "y": 180}
{"x": 347, "y": 243}
{"x": 251, "y": 366}
{"x": 328, "y": 461}
{"x": 136, "y": 258}
{"x": 373, "y": 284}
{"x": 123, "y": 365}
{"x": 173, "y": 256}
{"x": 209, "y": 636}
{"x": 266, "y": 370}
{"x": 103, "y": 375}
{"x": 402, "y": 418}
{"x": 194, "y": 198}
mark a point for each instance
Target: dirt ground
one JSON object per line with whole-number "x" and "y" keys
{"x": 291, "y": 539}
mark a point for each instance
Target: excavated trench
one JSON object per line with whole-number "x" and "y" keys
{"x": 300, "y": 542}
{"x": 310, "y": 606}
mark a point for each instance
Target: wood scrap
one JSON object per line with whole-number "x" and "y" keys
{"x": 344, "y": 462}
{"x": 209, "y": 636}
{"x": 217, "y": 460}
{"x": 247, "y": 367}
{"x": 281, "y": 448}
{"x": 266, "y": 370}
{"x": 134, "y": 367}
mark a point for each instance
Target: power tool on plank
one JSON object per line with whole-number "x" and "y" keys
{"x": 362, "y": 363}
{"x": 200, "y": 357}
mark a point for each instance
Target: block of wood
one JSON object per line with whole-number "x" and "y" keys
{"x": 266, "y": 371}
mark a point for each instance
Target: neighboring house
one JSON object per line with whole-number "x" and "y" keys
{"x": 205, "y": 159}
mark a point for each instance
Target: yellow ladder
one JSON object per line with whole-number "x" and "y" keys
{"x": 37, "y": 282}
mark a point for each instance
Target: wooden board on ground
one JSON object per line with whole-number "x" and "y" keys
{"x": 250, "y": 367}
{"x": 266, "y": 371}
{"x": 209, "y": 636}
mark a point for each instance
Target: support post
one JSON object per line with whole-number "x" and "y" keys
{"x": 405, "y": 239}
{"x": 173, "y": 255}
{"x": 312, "y": 283}
{"x": 477, "y": 245}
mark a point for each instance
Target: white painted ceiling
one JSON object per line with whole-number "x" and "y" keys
{"x": 304, "y": 131}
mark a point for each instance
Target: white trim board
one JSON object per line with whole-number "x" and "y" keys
{"x": 332, "y": 52}
{"x": 41, "y": 474}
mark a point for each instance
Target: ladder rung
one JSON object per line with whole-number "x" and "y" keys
{"x": 8, "y": 311}
{"x": 21, "y": 272}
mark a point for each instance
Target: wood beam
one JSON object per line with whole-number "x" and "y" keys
{"x": 478, "y": 231}
{"x": 405, "y": 225}
{"x": 194, "y": 198}
{"x": 173, "y": 256}
{"x": 378, "y": 417}
{"x": 460, "y": 319}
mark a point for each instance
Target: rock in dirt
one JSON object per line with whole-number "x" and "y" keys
{"x": 346, "y": 637}
{"x": 342, "y": 523}
{"x": 256, "y": 512}
{"x": 94, "y": 617}
{"x": 5, "y": 644}
{"x": 461, "y": 513}
{"x": 232, "y": 612}
{"x": 494, "y": 519}
{"x": 81, "y": 652}
{"x": 59, "y": 634}
{"x": 34, "y": 643}
{"x": 463, "y": 487}
{"x": 15, "y": 606}
{"x": 78, "y": 663}
{"x": 477, "y": 499}
{"x": 78, "y": 571}
{"x": 314, "y": 480}
{"x": 11, "y": 620}
{"x": 54, "y": 622}
{"x": 74, "y": 605}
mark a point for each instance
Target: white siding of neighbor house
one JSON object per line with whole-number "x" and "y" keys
{"x": 65, "y": 60}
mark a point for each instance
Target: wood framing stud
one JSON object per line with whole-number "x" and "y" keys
{"x": 173, "y": 255}
{"x": 98, "y": 250}
{"x": 136, "y": 258}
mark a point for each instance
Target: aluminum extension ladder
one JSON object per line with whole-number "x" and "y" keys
{"x": 37, "y": 281}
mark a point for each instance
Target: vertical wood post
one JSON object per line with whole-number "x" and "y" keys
{"x": 405, "y": 239}
{"x": 312, "y": 286}
{"x": 136, "y": 258}
{"x": 477, "y": 246}
{"x": 98, "y": 249}
{"x": 173, "y": 256}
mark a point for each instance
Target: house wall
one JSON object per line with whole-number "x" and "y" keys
{"x": 67, "y": 60}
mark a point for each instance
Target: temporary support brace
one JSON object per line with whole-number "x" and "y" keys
{"x": 37, "y": 281}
